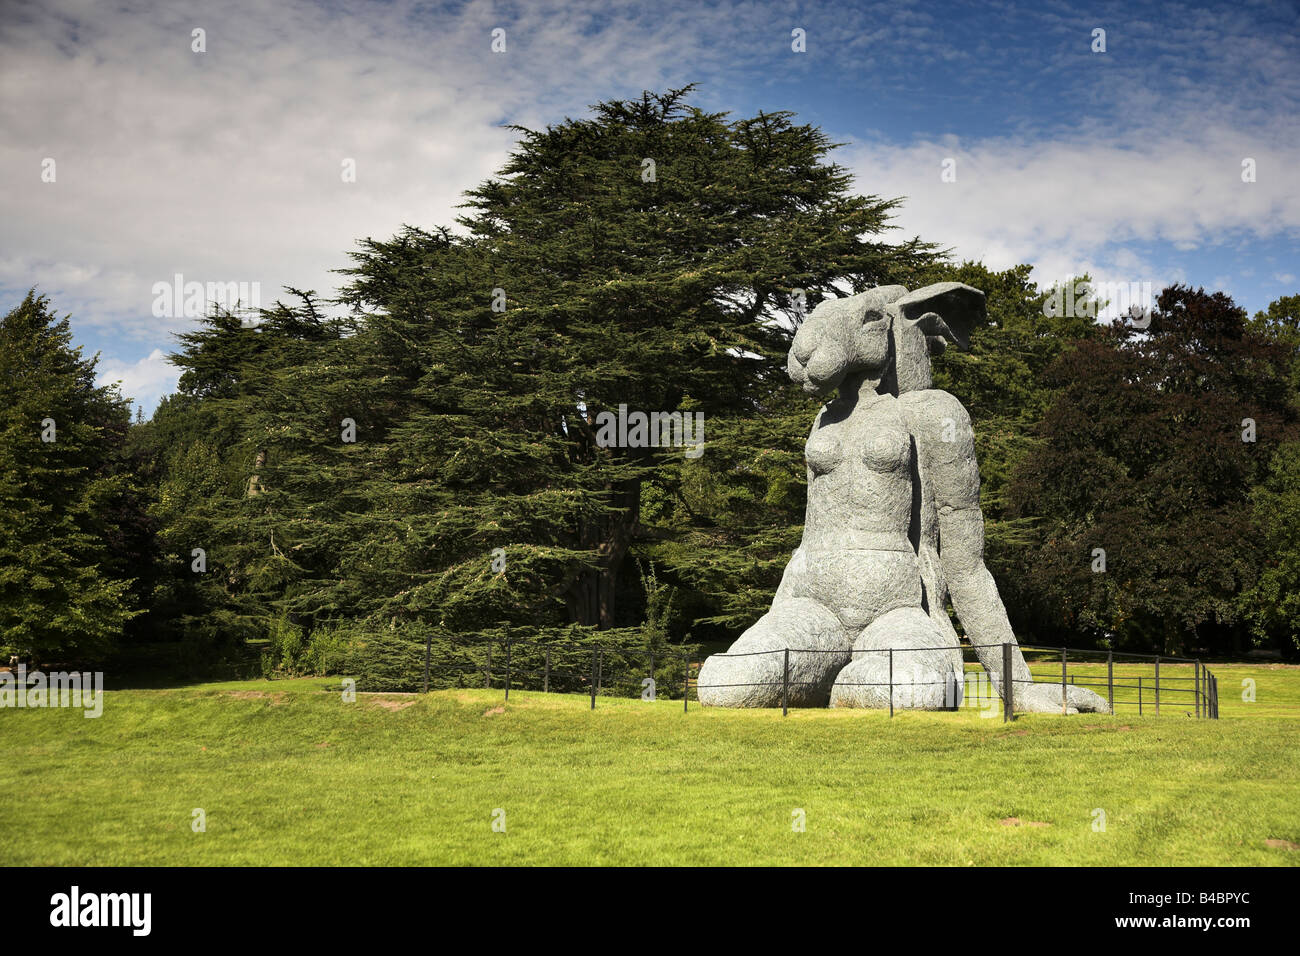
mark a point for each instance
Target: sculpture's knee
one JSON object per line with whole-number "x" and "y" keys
{"x": 753, "y": 671}
{"x": 903, "y": 655}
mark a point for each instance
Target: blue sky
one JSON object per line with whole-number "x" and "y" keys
{"x": 225, "y": 165}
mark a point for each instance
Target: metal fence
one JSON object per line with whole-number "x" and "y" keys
{"x": 1142, "y": 684}
{"x": 595, "y": 670}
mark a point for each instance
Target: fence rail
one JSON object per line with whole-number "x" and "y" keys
{"x": 1140, "y": 683}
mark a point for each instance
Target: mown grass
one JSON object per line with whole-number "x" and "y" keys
{"x": 289, "y": 773}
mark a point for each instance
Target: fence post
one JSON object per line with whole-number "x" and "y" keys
{"x": 595, "y": 653}
{"x": 891, "y": 682}
{"x": 1196, "y": 685}
{"x": 1214, "y": 687}
{"x": 1110, "y": 680}
{"x": 507, "y": 670}
{"x": 546, "y": 673}
{"x": 1139, "y": 696}
{"x": 487, "y": 677}
{"x": 686, "y": 686}
{"x": 1157, "y": 685}
{"x": 428, "y": 640}
{"x": 652, "y": 673}
{"x": 785, "y": 686}
{"x": 1008, "y": 686}
{"x": 1064, "y": 698}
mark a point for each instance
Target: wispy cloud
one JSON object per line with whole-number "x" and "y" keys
{"x": 1081, "y": 205}
{"x": 226, "y": 166}
{"x": 150, "y": 376}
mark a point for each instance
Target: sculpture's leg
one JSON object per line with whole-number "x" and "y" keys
{"x": 752, "y": 673}
{"x": 927, "y": 668}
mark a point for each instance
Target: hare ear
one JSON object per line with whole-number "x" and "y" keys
{"x": 947, "y": 309}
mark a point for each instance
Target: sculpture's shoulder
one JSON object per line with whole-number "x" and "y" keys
{"x": 945, "y": 444}
{"x": 934, "y": 412}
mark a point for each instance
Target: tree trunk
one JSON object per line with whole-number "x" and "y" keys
{"x": 255, "y": 486}
{"x": 1173, "y": 638}
{"x": 590, "y": 598}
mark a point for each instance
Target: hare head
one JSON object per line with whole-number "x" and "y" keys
{"x": 884, "y": 336}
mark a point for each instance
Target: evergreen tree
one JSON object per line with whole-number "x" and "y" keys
{"x": 65, "y": 593}
{"x": 1273, "y": 604}
{"x": 227, "y": 557}
{"x": 653, "y": 256}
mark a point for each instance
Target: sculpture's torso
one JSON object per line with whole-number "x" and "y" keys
{"x": 857, "y": 556}
{"x": 860, "y": 467}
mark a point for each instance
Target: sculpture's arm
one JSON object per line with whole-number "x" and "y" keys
{"x": 945, "y": 446}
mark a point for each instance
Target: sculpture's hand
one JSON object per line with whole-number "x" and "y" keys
{"x": 1045, "y": 698}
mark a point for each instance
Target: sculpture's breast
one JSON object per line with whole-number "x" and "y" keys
{"x": 886, "y": 448}
{"x": 876, "y": 438}
{"x": 824, "y": 451}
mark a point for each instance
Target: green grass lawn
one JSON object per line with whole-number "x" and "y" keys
{"x": 288, "y": 773}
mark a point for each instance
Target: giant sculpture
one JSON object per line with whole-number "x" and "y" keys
{"x": 892, "y": 530}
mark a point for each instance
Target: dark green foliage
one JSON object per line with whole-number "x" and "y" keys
{"x": 1272, "y": 604}
{"x": 476, "y": 495}
{"x": 206, "y": 442}
{"x": 1142, "y": 455}
{"x": 477, "y": 507}
{"x": 674, "y": 294}
{"x": 69, "y": 518}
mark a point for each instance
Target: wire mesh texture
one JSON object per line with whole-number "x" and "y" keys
{"x": 1144, "y": 684}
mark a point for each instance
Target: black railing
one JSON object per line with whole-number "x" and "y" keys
{"x": 1144, "y": 684}
{"x": 595, "y": 670}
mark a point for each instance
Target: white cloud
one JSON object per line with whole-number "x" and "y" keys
{"x": 145, "y": 381}
{"x": 1071, "y": 206}
{"x": 225, "y": 166}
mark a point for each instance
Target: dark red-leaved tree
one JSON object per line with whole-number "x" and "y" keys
{"x": 1149, "y": 455}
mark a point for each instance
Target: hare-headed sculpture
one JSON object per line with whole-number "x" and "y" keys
{"x": 892, "y": 530}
